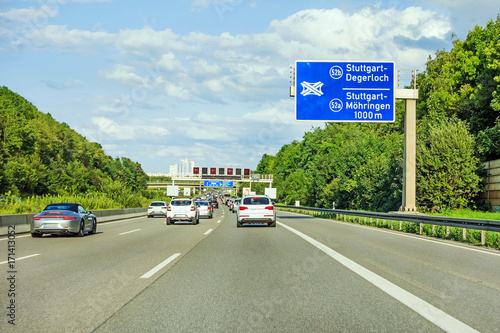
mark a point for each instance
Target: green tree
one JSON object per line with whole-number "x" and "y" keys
{"x": 446, "y": 164}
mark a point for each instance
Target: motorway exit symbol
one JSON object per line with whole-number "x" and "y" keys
{"x": 345, "y": 91}
{"x": 311, "y": 88}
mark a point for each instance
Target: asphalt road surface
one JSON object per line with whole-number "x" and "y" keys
{"x": 305, "y": 275}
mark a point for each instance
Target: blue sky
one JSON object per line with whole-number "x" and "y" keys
{"x": 207, "y": 80}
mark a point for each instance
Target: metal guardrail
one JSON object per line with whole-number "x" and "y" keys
{"x": 487, "y": 225}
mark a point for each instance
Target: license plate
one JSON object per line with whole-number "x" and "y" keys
{"x": 50, "y": 225}
{"x": 181, "y": 215}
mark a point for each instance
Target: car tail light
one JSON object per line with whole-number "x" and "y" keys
{"x": 269, "y": 208}
{"x": 208, "y": 208}
{"x": 243, "y": 207}
{"x": 169, "y": 209}
{"x": 36, "y": 218}
{"x": 150, "y": 207}
{"x": 193, "y": 208}
{"x": 163, "y": 207}
{"x": 69, "y": 218}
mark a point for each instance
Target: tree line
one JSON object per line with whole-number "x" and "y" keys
{"x": 360, "y": 165}
{"x": 40, "y": 156}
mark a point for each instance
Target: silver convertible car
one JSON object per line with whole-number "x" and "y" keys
{"x": 63, "y": 218}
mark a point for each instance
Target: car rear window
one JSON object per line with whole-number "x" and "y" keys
{"x": 71, "y": 207}
{"x": 157, "y": 204}
{"x": 181, "y": 203}
{"x": 256, "y": 201}
{"x": 202, "y": 203}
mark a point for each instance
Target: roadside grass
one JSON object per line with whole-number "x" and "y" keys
{"x": 469, "y": 214}
{"x": 90, "y": 201}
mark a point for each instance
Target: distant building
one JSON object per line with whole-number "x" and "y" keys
{"x": 183, "y": 169}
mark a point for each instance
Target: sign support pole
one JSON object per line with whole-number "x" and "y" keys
{"x": 410, "y": 149}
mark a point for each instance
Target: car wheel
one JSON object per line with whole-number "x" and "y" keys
{"x": 149, "y": 216}
{"x": 169, "y": 221}
{"x": 239, "y": 224}
{"x": 81, "y": 232}
{"x": 94, "y": 227}
{"x": 195, "y": 221}
{"x": 36, "y": 235}
{"x": 272, "y": 224}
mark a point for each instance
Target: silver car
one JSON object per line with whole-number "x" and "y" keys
{"x": 63, "y": 218}
{"x": 256, "y": 209}
{"x": 205, "y": 209}
{"x": 235, "y": 205}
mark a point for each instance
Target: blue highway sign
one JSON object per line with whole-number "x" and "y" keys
{"x": 345, "y": 91}
{"x": 217, "y": 183}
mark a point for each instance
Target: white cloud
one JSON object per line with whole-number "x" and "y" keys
{"x": 369, "y": 34}
{"x": 60, "y": 36}
{"x": 71, "y": 83}
{"x": 34, "y": 16}
{"x": 124, "y": 74}
{"x": 196, "y": 4}
{"x": 108, "y": 129}
{"x": 169, "y": 62}
{"x": 176, "y": 90}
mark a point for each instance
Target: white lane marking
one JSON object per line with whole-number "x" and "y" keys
{"x": 128, "y": 232}
{"x": 219, "y": 221}
{"x": 7, "y": 238}
{"x": 160, "y": 266}
{"x": 440, "y": 243}
{"x": 31, "y": 255}
{"x": 208, "y": 231}
{"x": 119, "y": 221}
{"x": 426, "y": 310}
{"x": 395, "y": 232}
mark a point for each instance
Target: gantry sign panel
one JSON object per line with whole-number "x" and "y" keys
{"x": 347, "y": 91}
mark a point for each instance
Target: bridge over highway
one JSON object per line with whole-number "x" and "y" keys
{"x": 198, "y": 181}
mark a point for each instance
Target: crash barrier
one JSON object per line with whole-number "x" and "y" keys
{"x": 21, "y": 222}
{"x": 341, "y": 215}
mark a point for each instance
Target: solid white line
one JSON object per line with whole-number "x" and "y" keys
{"x": 438, "y": 242}
{"x": 397, "y": 233}
{"x": 219, "y": 221}
{"x": 128, "y": 232}
{"x": 31, "y": 255}
{"x": 160, "y": 266}
{"x": 208, "y": 231}
{"x": 426, "y": 310}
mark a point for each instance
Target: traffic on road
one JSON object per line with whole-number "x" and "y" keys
{"x": 306, "y": 274}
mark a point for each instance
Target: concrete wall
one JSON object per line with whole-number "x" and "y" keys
{"x": 22, "y": 221}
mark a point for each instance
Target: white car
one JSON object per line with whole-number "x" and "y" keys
{"x": 205, "y": 209}
{"x": 157, "y": 208}
{"x": 256, "y": 209}
{"x": 182, "y": 210}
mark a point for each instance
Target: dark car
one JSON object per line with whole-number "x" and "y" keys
{"x": 63, "y": 218}
{"x": 215, "y": 203}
